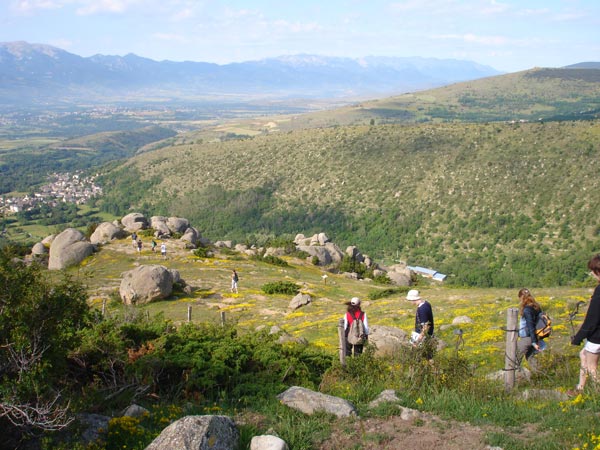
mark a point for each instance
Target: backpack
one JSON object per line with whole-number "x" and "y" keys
{"x": 543, "y": 327}
{"x": 356, "y": 332}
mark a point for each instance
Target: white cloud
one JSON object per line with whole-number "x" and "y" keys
{"x": 296, "y": 27}
{"x": 31, "y": 6}
{"x": 475, "y": 39}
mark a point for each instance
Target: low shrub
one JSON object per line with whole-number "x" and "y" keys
{"x": 382, "y": 293}
{"x": 281, "y": 287}
{"x": 274, "y": 260}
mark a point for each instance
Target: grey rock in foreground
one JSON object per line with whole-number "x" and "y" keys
{"x": 198, "y": 433}
{"x": 310, "y": 402}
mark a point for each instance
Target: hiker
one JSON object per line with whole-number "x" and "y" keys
{"x": 163, "y": 250}
{"x": 353, "y": 313}
{"x": 234, "y": 281}
{"x": 153, "y": 245}
{"x": 139, "y": 246}
{"x": 589, "y": 330}
{"x": 529, "y": 344}
{"x": 134, "y": 239}
{"x": 424, "y": 325}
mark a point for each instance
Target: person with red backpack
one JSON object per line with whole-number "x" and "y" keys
{"x": 356, "y": 327}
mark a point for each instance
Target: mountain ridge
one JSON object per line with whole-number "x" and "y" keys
{"x": 57, "y": 75}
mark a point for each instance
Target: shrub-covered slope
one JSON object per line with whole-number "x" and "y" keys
{"x": 490, "y": 203}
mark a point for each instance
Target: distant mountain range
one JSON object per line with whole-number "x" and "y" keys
{"x": 42, "y": 74}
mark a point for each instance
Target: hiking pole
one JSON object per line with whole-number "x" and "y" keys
{"x": 572, "y": 315}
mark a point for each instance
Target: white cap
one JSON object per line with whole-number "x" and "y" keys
{"x": 413, "y": 295}
{"x": 355, "y": 301}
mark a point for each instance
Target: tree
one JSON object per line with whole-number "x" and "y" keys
{"x": 39, "y": 319}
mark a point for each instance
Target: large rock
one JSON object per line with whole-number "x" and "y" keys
{"x": 178, "y": 224}
{"x": 159, "y": 224}
{"x": 134, "y": 222}
{"x": 310, "y": 402}
{"x": 145, "y": 284}
{"x": 299, "y": 301}
{"x": 388, "y": 340}
{"x": 198, "y": 433}
{"x": 68, "y": 248}
{"x": 39, "y": 249}
{"x": 190, "y": 235}
{"x": 106, "y": 232}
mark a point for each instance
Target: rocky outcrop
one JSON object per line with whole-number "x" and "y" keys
{"x": 134, "y": 222}
{"x": 327, "y": 254}
{"x": 310, "y": 402}
{"x": 400, "y": 274}
{"x": 198, "y": 433}
{"x": 39, "y": 249}
{"x": 145, "y": 284}
{"x": 106, "y": 232}
{"x": 191, "y": 236}
{"x": 159, "y": 225}
{"x": 68, "y": 248}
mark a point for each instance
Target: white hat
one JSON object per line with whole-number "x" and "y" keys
{"x": 355, "y": 301}
{"x": 413, "y": 295}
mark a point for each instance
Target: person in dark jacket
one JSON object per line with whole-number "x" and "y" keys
{"x": 528, "y": 345}
{"x": 424, "y": 325}
{"x": 589, "y": 330}
{"x": 353, "y": 312}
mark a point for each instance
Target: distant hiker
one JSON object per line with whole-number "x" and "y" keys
{"x": 356, "y": 327}
{"x": 589, "y": 330}
{"x": 139, "y": 246}
{"x": 424, "y": 325}
{"x": 529, "y": 344}
{"x": 134, "y": 239}
{"x": 234, "y": 281}
{"x": 163, "y": 250}
{"x": 153, "y": 245}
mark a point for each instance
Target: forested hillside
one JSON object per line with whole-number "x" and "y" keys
{"x": 489, "y": 204}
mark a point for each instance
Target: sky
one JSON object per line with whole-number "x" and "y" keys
{"x": 508, "y": 35}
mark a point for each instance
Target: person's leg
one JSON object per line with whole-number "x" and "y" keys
{"x": 589, "y": 365}
{"x": 523, "y": 349}
{"x": 358, "y": 349}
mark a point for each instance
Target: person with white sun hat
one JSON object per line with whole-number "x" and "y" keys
{"x": 424, "y": 324}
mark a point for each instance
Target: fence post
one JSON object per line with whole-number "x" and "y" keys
{"x": 189, "y": 313}
{"x": 222, "y": 318}
{"x": 342, "y": 336}
{"x": 510, "y": 355}
{"x": 103, "y": 307}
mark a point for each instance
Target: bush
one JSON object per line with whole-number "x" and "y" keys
{"x": 203, "y": 252}
{"x": 276, "y": 261}
{"x": 382, "y": 293}
{"x": 281, "y": 287}
{"x": 315, "y": 260}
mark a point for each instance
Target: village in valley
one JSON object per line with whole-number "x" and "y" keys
{"x": 63, "y": 187}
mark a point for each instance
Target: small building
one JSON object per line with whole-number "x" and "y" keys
{"x": 428, "y": 273}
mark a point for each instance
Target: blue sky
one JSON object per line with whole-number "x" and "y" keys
{"x": 507, "y": 35}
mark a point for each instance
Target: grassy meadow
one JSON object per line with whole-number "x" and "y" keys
{"x": 455, "y": 387}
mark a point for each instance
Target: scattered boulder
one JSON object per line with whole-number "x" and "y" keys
{"x": 388, "y": 340}
{"x": 135, "y": 411}
{"x": 310, "y": 402}
{"x": 327, "y": 254}
{"x": 353, "y": 252}
{"x": 461, "y": 319}
{"x": 387, "y": 396}
{"x": 268, "y": 442}
{"x": 68, "y": 248}
{"x": 190, "y": 235}
{"x": 106, "y": 232}
{"x": 287, "y": 338}
{"x": 299, "y": 301}
{"x": 198, "y": 433}
{"x": 223, "y": 244}
{"x": 544, "y": 394}
{"x": 134, "y": 222}
{"x": 146, "y": 283}
{"x": 94, "y": 426}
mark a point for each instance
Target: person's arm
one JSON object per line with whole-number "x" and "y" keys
{"x": 366, "y": 324}
{"x": 530, "y": 316}
{"x": 345, "y": 321}
{"x": 592, "y": 319}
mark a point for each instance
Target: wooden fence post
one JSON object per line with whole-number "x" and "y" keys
{"x": 510, "y": 355}
{"x": 189, "y": 313}
{"x": 222, "y": 318}
{"x": 342, "y": 336}
{"x": 103, "y": 307}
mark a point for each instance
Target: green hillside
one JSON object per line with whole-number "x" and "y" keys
{"x": 492, "y": 204}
